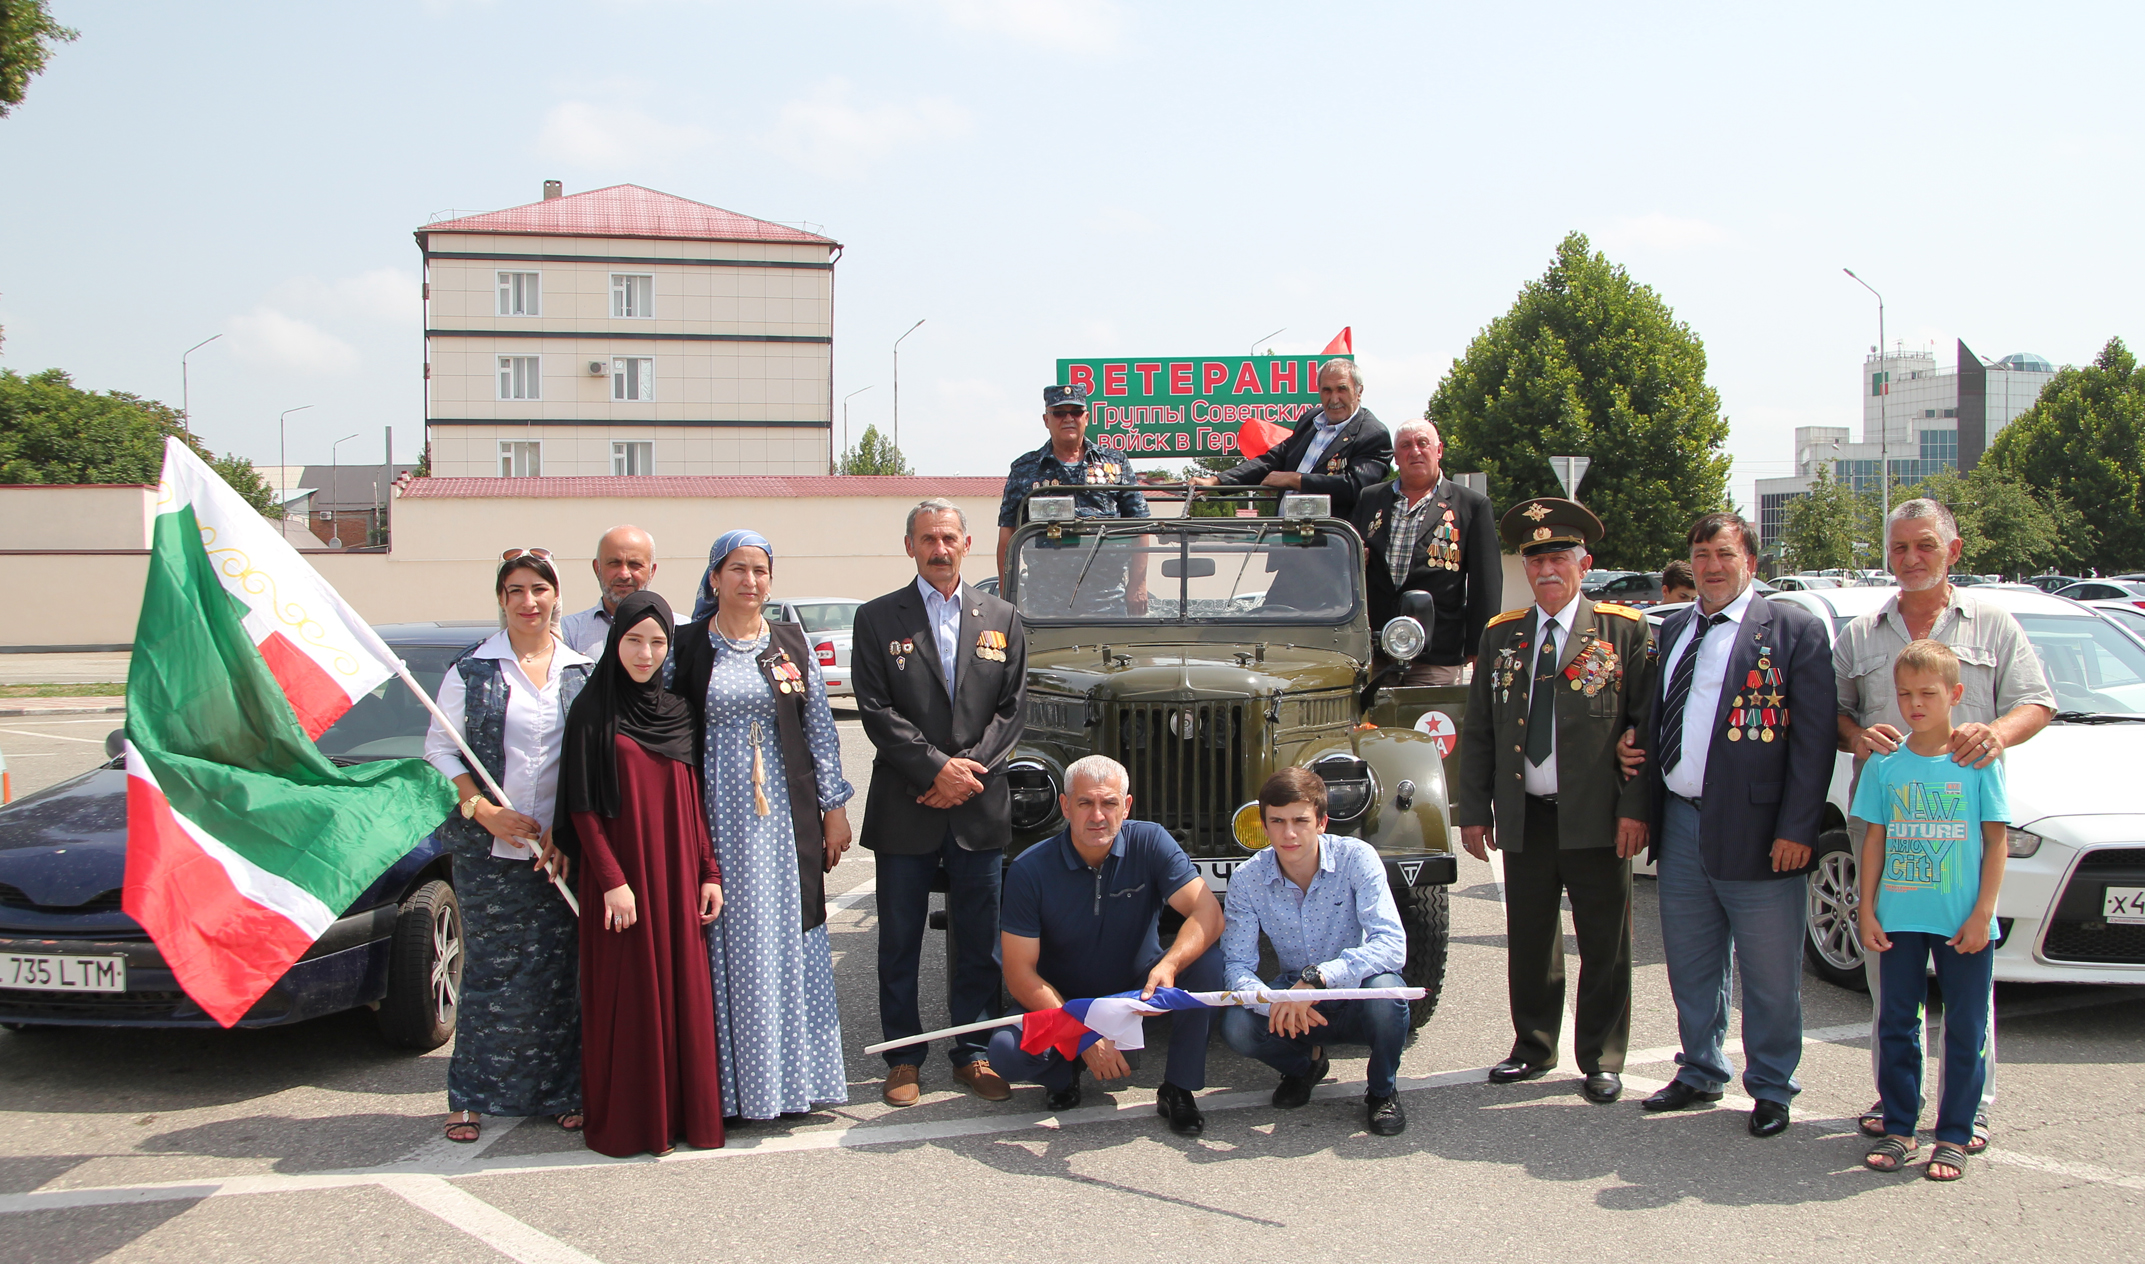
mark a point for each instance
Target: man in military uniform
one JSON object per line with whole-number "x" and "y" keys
{"x": 1100, "y": 484}
{"x": 1556, "y": 684}
{"x": 1422, "y": 532}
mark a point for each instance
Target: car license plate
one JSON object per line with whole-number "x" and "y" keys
{"x": 42, "y": 973}
{"x": 1216, "y": 872}
{"x": 2123, "y": 904}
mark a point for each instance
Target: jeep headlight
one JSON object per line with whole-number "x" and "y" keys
{"x": 2019, "y": 844}
{"x": 1249, "y": 827}
{"x": 1034, "y": 793}
{"x": 1402, "y": 639}
{"x": 1350, "y": 788}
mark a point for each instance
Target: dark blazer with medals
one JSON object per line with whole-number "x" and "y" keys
{"x": 1455, "y": 560}
{"x": 1359, "y": 456}
{"x": 917, "y": 728}
{"x": 1771, "y": 755}
{"x": 1604, "y": 685}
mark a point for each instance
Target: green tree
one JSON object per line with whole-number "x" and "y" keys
{"x": 1824, "y": 528}
{"x": 27, "y": 35}
{"x": 1589, "y": 362}
{"x": 873, "y": 454}
{"x": 52, "y": 431}
{"x": 2005, "y": 527}
{"x": 2084, "y": 441}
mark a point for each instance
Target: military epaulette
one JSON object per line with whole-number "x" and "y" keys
{"x": 1508, "y": 616}
{"x": 1610, "y": 607}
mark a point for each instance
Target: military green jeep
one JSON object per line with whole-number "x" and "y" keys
{"x": 1205, "y": 653}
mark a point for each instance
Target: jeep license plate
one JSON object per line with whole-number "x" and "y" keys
{"x": 1216, "y": 872}
{"x": 2123, "y": 905}
{"x": 42, "y": 973}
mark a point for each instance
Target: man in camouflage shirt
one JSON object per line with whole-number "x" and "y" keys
{"x": 1100, "y": 484}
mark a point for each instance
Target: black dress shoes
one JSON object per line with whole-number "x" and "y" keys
{"x": 1295, "y": 1090}
{"x": 1768, "y": 1119}
{"x": 1384, "y": 1116}
{"x": 1513, "y": 1070}
{"x": 1603, "y": 1087}
{"x": 1176, "y": 1105}
{"x": 1679, "y": 1096}
{"x": 1064, "y": 1099}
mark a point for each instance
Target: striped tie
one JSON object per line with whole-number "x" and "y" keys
{"x": 1679, "y": 692}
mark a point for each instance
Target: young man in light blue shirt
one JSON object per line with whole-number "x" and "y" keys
{"x": 1323, "y": 902}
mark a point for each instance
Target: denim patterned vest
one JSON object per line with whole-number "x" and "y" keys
{"x": 484, "y": 728}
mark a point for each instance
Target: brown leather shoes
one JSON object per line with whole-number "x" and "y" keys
{"x": 901, "y": 1088}
{"x": 983, "y": 1082}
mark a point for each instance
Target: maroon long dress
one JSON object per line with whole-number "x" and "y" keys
{"x": 648, "y": 1058}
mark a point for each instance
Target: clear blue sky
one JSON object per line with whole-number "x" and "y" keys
{"x": 1057, "y": 177}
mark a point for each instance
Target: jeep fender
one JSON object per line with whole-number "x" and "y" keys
{"x": 1397, "y": 755}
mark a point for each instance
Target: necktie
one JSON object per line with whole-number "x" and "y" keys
{"x": 1679, "y": 692}
{"x": 1542, "y": 703}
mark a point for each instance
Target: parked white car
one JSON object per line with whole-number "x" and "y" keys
{"x": 828, "y": 623}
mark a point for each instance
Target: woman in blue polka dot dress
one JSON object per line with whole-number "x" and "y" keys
{"x": 771, "y": 767}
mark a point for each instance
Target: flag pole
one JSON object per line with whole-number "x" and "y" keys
{"x": 943, "y": 1032}
{"x": 1246, "y": 997}
{"x": 476, "y": 766}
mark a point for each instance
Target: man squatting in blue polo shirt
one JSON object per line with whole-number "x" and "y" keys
{"x": 1081, "y": 917}
{"x": 1323, "y": 902}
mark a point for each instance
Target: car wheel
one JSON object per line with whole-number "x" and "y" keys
{"x": 1426, "y": 915}
{"x": 424, "y": 970}
{"x": 1832, "y": 939}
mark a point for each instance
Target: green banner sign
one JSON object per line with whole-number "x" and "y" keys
{"x": 1190, "y": 405}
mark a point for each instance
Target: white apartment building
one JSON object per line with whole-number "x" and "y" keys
{"x": 625, "y": 331}
{"x": 1917, "y": 420}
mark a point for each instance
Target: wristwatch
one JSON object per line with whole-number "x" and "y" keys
{"x": 1313, "y": 976}
{"x": 469, "y": 806}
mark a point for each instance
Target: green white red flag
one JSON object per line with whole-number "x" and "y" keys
{"x": 244, "y": 842}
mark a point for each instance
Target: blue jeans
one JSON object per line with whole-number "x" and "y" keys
{"x": 971, "y": 927}
{"x": 1968, "y": 979}
{"x": 1383, "y": 1025}
{"x": 1707, "y": 923}
{"x": 1188, "y": 1030}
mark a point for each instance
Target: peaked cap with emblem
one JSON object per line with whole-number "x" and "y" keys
{"x": 1547, "y": 524}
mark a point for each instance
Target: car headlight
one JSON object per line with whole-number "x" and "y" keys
{"x": 2019, "y": 844}
{"x": 1402, "y": 639}
{"x": 1034, "y": 793}
{"x": 1249, "y": 827}
{"x": 1350, "y": 787}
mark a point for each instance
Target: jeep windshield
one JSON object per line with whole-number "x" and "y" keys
{"x": 1239, "y": 571}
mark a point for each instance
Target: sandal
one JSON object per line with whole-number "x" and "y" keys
{"x": 1872, "y": 1121}
{"x": 1979, "y": 1141}
{"x": 470, "y": 1125}
{"x": 1946, "y": 1155}
{"x": 574, "y": 1116}
{"x": 1890, "y": 1154}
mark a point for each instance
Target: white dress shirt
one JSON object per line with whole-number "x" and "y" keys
{"x": 1542, "y": 778}
{"x": 1322, "y": 434}
{"x": 535, "y": 733}
{"x": 945, "y": 615}
{"x": 1688, "y": 777}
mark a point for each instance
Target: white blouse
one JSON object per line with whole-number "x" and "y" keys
{"x": 535, "y": 733}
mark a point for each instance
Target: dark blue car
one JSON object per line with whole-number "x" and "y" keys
{"x": 63, "y": 858}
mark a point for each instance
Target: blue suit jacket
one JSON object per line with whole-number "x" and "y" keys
{"x": 1757, "y": 791}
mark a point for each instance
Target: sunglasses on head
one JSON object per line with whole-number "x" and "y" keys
{"x": 541, "y": 555}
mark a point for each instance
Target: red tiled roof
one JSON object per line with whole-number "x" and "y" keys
{"x": 732, "y": 486}
{"x": 627, "y": 210}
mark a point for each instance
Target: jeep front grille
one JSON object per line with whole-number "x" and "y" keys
{"x": 1187, "y": 762}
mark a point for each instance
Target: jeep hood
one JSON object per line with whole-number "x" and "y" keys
{"x": 1185, "y": 672}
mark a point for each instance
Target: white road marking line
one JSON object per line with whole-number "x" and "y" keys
{"x": 484, "y": 1222}
{"x": 439, "y": 1153}
{"x": 854, "y": 896}
{"x": 57, "y": 737}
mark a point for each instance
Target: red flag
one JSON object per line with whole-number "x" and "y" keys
{"x": 1255, "y": 437}
{"x": 1343, "y": 343}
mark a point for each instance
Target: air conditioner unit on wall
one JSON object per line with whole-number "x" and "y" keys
{"x": 597, "y": 368}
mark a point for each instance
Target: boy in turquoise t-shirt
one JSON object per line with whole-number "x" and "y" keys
{"x": 1931, "y": 866}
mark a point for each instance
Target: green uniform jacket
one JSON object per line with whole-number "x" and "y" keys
{"x": 1591, "y": 790}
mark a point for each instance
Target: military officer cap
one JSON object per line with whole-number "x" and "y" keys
{"x": 1074, "y": 396}
{"x": 1548, "y": 524}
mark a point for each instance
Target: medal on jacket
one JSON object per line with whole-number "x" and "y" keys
{"x": 1377, "y": 520}
{"x": 1506, "y": 671}
{"x": 990, "y": 644}
{"x": 787, "y": 678}
{"x": 1755, "y": 713}
{"x": 1335, "y": 464}
{"x": 1595, "y": 668}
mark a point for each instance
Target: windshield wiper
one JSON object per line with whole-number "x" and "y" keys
{"x": 2096, "y": 717}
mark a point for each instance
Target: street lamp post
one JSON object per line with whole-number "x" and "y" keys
{"x": 283, "y": 451}
{"x": 1275, "y": 334}
{"x": 845, "y": 407}
{"x": 335, "y": 460}
{"x": 897, "y": 384}
{"x": 1884, "y": 426}
{"x": 186, "y": 395}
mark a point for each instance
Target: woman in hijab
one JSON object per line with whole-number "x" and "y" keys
{"x": 770, "y": 761}
{"x": 648, "y": 884}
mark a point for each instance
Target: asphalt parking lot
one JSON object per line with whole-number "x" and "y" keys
{"x": 316, "y": 1141}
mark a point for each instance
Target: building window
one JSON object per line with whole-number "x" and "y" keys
{"x": 521, "y": 377}
{"x": 1772, "y": 516}
{"x": 1951, "y": 412}
{"x": 521, "y": 458}
{"x": 633, "y": 458}
{"x": 632, "y": 294}
{"x": 520, "y": 294}
{"x": 1941, "y": 446}
{"x": 633, "y": 378}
